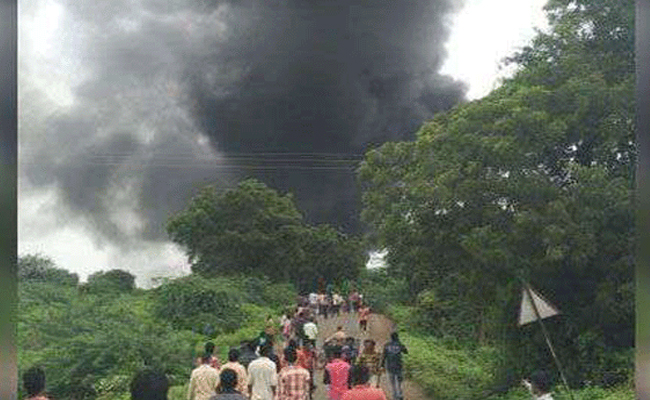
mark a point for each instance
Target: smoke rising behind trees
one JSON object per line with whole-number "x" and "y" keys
{"x": 127, "y": 108}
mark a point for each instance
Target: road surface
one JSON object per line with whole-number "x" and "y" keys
{"x": 379, "y": 329}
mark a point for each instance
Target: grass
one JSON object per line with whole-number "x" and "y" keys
{"x": 447, "y": 369}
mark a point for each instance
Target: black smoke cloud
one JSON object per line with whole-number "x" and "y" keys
{"x": 325, "y": 77}
{"x": 173, "y": 95}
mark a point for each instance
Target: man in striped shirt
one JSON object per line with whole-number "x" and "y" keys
{"x": 293, "y": 381}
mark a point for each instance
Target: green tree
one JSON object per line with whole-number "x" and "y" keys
{"x": 33, "y": 267}
{"x": 253, "y": 230}
{"x": 193, "y": 302}
{"x": 113, "y": 281}
{"x": 533, "y": 180}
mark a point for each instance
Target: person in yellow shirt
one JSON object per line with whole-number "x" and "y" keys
{"x": 203, "y": 381}
{"x": 371, "y": 359}
{"x": 242, "y": 375}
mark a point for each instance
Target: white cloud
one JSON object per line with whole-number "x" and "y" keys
{"x": 485, "y": 32}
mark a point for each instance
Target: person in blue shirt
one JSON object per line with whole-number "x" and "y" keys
{"x": 392, "y": 361}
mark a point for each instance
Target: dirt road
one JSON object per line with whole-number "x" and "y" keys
{"x": 379, "y": 329}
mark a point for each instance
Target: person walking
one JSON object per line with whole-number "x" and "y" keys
{"x": 364, "y": 315}
{"x": 34, "y": 384}
{"x": 361, "y": 389}
{"x": 371, "y": 359}
{"x": 392, "y": 360}
{"x": 337, "y": 300}
{"x": 338, "y": 337}
{"x": 228, "y": 383}
{"x": 263, "y": 376}
{"x": 349, "y": 351}
{"x": 293, "y": 380}
{"x": 310, "y": 330}
{"x": 203, "y": 381}
{"x": 336, "y": 376}
{"x": 306, "y": 358}
{"x": 234, "y": 365}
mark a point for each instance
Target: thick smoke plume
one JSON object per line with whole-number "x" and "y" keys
{"x": 160, "y": 98}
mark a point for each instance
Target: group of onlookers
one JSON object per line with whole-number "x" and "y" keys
{"x": 255, "y": 372}
{"x": 344, "y": 357}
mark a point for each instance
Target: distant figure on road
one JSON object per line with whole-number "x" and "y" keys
{"x": 234, "y": 365}
{"x": 263, "y": 376}
{"x": 228, "y": 384}
{"x": 539, "y": 386}
{"x": 293, "y": 380}
{"x": 361, "y": 389}
{"x": 336, "y": 376}
{"x": 337, "y": 300}
{"x": 349, "y": 351}
{"x": 364, "y": 315}
{"x": 311, "y": 331}
{"x": 34, "y": 384}
{"x": 338, "y": 336}
{"x": 392, "y": 360}
{"x": 203, "y": 381}
{"x": 323, "y": 305}
{"x": 285, "y": 326}
{"x": 147, "y": 384}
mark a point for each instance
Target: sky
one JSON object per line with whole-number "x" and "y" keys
{"x": 126, "y": 108}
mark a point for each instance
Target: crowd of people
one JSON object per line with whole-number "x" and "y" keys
{"x": 255, "y": 371}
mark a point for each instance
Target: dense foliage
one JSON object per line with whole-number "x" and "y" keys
{"x": 534, "y": 181}
{"x": 255, "y": 231}
{"x": 92, "y": 339}
{"x": 114, "y": 281}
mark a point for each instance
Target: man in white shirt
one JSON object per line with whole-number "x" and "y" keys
{"x": 263, "y": 376}
{"x": 311, "y": 331}
{"x": 203, "y": 381}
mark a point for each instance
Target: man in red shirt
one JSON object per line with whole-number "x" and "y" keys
{"x": 361, "y": 390}
{"x": 306, "y": 358}
{"x": 336, "y": 376}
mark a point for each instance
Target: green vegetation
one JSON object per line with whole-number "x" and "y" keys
{"x": 92, "y": 338}
{"x": 535, "y": 182}
{"x": 255, "y": 231}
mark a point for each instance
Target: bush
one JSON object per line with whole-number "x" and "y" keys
{"x": 113, "y": 281}
{"x": 446, "y": 373}
{"x": 197, "y": 303}
{"x": 35, "y": 268}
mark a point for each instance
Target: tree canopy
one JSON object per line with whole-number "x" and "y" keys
{"x": 533, "y": 181}
{"x": 34, "y": 267}
{"x": 253, "y": 230}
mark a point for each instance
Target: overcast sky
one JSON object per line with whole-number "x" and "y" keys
{"x": 127, "y": 107}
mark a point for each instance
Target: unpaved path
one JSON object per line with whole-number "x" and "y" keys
{"x": 379, "y": 329}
